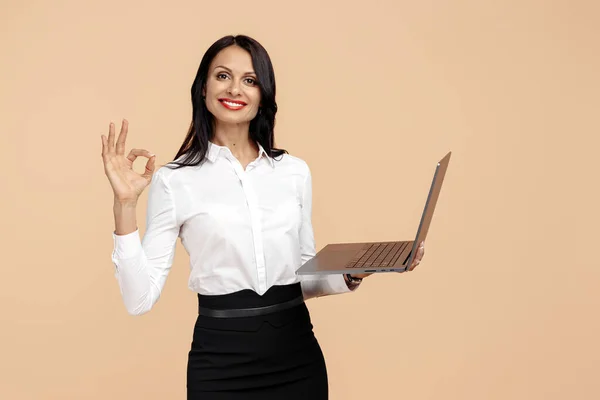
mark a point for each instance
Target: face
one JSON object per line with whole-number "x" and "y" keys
{"x": 232, "y": 92}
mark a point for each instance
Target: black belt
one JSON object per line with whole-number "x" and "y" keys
{"x": 250, "y": 312}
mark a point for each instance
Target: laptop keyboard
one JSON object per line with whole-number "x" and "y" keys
{"x": 378, "y": 255}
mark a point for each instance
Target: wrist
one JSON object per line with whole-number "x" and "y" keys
{"x": 351, "y": 281}
{"x": 124, "y": 204}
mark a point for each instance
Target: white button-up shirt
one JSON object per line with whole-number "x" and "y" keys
{"x": 242, "y": 229}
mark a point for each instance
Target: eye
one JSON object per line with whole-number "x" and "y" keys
{"x": 221, "y": 75}
{"x": 251, "y": 81}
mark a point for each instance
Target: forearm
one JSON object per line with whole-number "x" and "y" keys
{"x": 324, "y": 285}
{"x": 132, "y": 273}
{"x": 139, "y": 289}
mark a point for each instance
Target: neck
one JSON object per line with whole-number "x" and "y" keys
{"x": 236, "y": 137}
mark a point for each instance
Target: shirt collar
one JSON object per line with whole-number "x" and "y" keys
{"x": 215, "y": 150}
{"x": 262, "y": 152}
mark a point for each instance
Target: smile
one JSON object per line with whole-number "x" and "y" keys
{"x": 232, "y": 104}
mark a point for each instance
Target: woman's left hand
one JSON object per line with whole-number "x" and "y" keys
{"x": 416, "y": 261}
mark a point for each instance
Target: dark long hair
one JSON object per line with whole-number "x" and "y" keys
{"x": 261, "y": 127}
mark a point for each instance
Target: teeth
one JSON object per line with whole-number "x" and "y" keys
{"x": 233, "y": 104}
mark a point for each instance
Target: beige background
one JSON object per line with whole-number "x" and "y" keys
{"x": 371, "y": 95}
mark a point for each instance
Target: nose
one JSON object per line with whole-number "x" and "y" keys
{"x": 233, "y": 88}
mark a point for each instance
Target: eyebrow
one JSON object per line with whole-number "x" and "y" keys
{"x": 222, "y": 66}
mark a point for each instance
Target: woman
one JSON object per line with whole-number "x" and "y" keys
{"x": 242, "y": 209}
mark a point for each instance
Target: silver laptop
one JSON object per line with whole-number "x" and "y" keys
{"x": 338, "y": 258}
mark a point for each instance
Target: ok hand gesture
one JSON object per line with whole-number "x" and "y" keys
{"x": 127, "y": 184}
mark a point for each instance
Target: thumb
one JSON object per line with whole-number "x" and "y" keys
{"x": 149, "y": 170}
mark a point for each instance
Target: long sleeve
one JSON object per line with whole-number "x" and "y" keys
{"x": 142, "y": 266}
{"x": 314, "y": 285}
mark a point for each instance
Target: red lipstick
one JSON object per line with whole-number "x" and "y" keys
{"x": 232, "y": 104}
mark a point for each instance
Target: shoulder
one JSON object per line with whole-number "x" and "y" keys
{"x": 167, "y": 174}
{"x": 293, "y": 163}
{"x": 163, "y": 174}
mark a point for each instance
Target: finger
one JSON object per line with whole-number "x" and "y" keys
{"x": 420, "y": 251}
{"x": 135, "y": 153}
{"x": 413, "y": 265}
{"x": 417, "y": 260}
{"x": 149, "y": 168}
{"x": 104, "y": 146}
{"x": 122, "y": 137}
{"x": 111, "y": 137}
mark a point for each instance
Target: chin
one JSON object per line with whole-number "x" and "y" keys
{"x": 232, "y": 118}
{"x": 226, "y": 119}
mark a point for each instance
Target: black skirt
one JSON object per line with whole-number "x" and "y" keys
{"x": 274, "y": 356}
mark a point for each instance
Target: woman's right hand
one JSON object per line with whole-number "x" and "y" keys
{"x": 127, "y": 184}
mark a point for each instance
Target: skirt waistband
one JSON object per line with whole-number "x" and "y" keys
{"x": 248, "y": 298}
{"x": 250, "y": 312}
